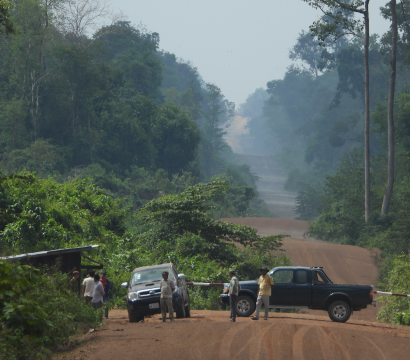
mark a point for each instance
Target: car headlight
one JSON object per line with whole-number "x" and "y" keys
{"x": 132, "y": 296}
{"x": 226, "y": 288}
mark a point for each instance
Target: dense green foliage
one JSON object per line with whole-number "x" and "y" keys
{"x": 38, "y": 313}
{"x": 397, "y": 309}
{"x": 45, "y": 214}
{"x": 111, "y": 105}
{"x": 102, "y": 105}
{"x": 6, "y": 25}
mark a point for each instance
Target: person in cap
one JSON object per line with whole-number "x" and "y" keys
{"x": 73, "y": 283}
{"x": 98, "y": 293}
{"x": 233, "y": 293}
{"x": 264, "y": 292}
{"x": 106, "y": 285}
{"x": 167, "y": 288}
{"x": 88, "y": 287}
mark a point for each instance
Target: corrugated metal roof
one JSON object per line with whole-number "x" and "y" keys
{"x": 50, "y": 252}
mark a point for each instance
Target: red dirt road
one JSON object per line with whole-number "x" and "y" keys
{"x": 304, "y": 336}
{"x": 209, "y": 335}
{"x": 344, "y": 264}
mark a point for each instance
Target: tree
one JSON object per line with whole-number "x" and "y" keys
{"x": 177, "y": 139}
{"x": 77, "y": 17}
{"x": 217, "y": 113}
{"x": 172, "y": 216}
{"x": 6, "y": 26}
{"x": 307, "y": 49}
{"x": 337, "y": 22}
{"x": 390, "y": 116}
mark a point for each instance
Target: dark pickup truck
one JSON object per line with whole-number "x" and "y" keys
{"x": 304, "y": 288}
{"x": 144, "y": 292}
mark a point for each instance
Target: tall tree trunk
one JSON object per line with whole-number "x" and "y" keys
{"x": 366, "y": 116}
{"x": 390, "y": 118}
{"x": 43, "y": 41}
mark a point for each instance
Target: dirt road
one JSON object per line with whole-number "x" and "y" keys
{"x": 344, "y": 264}
{"x": 209, "y": 335}
{"x": 271, "y": 184}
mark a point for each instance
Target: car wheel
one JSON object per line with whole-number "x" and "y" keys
{"x": 188, "y": 310}
{"x": 339, "y": 311}
{"x": 181, "y": 312}
{"x": 245, "y": 306}
{"x": 133, "y": 318}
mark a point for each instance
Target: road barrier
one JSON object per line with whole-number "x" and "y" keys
{"x": 390, "y": 293}
{"x": 221, "y": 284}
{"x": 204, "y": 284}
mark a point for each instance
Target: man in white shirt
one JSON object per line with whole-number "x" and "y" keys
{"x": 98, "y": 293}
{"x": 88, "y": 287}
{"x": 167, "y": 288}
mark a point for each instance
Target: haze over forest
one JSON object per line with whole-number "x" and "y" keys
{"x": 247, "y": 43}
{"x": 109, "y": 138}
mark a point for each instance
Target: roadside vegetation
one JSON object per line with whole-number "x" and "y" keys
{"x": 38, "y": 313}
{"x": 316, "y": 117}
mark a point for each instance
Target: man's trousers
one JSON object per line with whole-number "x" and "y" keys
{"x": 265, "y": 301}
{"x": 166, "y": 306}
{"x": 232, "y": 304}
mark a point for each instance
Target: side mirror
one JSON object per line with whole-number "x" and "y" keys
{"x": 181, "y": 276}
{"x": 124, "y": 285}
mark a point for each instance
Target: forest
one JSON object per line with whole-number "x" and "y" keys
{"x": 315, "y": 120}
{"x": 107, "y": 140}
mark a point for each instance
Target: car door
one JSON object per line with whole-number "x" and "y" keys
{"x": 320, "y": 289}
{"x": 284, "y": 289}
{"x": 303, "y": 288}
{"x": 181, "y": 283}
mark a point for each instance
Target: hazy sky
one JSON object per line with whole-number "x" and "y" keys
{"x": 239, "y": 45}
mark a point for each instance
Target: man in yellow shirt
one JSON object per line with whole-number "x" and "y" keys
{"x": 264, "y": 292}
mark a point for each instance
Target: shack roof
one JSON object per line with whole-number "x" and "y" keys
{"x": 50, "y": 252}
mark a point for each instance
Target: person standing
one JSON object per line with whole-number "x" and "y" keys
{"x": 167, "y": 288}
{"x": 233, "y": 294}
{"x": 88, "y": 287}
{"x": 73, "y": 283}
{"x": 98, "y": 294}
{"x": 106, "y": 284}
{"x": 264, "y": 292}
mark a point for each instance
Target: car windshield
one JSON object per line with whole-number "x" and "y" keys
{"x": 149, "y": 275}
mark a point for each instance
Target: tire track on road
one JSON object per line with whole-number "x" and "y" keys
{"x": 256, "y": 338}
{"x": 376, "y": 347}
{"x": 329, "y": 335}
{"x": 297, "y": 343}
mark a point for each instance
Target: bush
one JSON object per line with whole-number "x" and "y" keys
{"x": 48, "y": 215}
{"x": 397, "y": 309}
{"x": 38, "y": 312}
{"x": 403, "y": 318}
